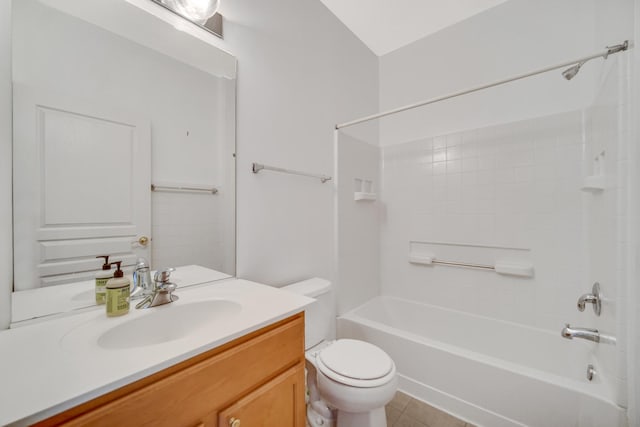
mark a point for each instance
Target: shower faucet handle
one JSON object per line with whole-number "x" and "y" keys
{"x": 594, "y": 298}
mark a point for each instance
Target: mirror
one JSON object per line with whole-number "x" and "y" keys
{"x": 124, "y": 145}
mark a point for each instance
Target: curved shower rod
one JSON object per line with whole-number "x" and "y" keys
{"x": 567, "y": 74}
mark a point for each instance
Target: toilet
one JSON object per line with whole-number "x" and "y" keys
{"x": 349, "y": 382}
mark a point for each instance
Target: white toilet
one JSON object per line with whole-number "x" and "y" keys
{"x": 349, "y": 381}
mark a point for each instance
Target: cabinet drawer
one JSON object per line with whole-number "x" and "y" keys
{"x": 188, "y": 396}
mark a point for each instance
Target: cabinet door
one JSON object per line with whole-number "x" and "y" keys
{"x": 278, "y": 403}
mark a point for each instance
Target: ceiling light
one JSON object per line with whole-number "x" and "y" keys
{"x": 198, "y": 11}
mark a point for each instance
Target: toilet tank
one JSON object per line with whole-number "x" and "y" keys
{"x": 318, "y": 315}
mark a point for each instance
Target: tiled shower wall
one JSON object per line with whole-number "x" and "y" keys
{"x": 518, "y": 186}
{"x": 515, "y": 185}
{"x": 609, "y": 237}
{"x": 186, "y": 230}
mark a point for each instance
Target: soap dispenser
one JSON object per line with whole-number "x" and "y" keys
{"x": 101, "y": 280}
{"x": 118, "y": 290}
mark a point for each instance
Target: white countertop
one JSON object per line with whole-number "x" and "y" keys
{"x": 41, "y": 378}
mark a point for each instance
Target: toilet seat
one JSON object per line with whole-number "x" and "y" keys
{"x": 356, "y": 363}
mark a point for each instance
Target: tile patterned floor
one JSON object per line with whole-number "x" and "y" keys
{"x": 405, "y": 411}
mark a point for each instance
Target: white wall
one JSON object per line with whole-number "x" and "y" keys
{"x": 513, "y": 38}
{"x": 633, "y": 302}
{"x": 300, "y": 71}
{"x": 6, "y": 229}
{"x": 358, "y": 248}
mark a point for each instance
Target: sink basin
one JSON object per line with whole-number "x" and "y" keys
{"x": 153, "y": 326}
{"x": 166, "y": 323}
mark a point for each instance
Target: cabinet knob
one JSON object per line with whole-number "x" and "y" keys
{"x": 234, "y": 422}
{"x": 143, "y": 240}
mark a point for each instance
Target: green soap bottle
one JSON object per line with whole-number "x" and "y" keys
{"x": 118, "y": 292}
{"x": 101, "y": 280}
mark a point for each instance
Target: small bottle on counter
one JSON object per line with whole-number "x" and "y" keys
{"x": 118, "y": 291}
{"x": 102, "y": 278}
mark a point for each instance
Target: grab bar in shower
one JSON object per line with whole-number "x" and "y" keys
{"x": 511, "y": 268}
{"x": 257, "y": 167}
{"x": 178, "y": 188}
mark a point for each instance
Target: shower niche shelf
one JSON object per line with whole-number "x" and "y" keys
{"x": 361, "y": 195}
{"x": 596, "y": 182}
{"x": 363, "y": 190}
{"x": 593, "y": 183}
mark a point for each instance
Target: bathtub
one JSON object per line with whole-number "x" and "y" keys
{"x": 485, "y": 371}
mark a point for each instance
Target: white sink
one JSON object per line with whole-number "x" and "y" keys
{"x": 152, "y": 326}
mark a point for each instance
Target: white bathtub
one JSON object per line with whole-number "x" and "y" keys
{"x": 488, "y": 372}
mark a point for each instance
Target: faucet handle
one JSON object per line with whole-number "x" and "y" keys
{"x": 162, "y": 275}
{"x": 595, "y": 298}
{"x": 167, "y": 287}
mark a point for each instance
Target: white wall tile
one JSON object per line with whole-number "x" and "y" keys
{"x": 493, "y": 196}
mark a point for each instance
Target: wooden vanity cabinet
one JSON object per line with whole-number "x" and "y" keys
{"x": 256, "y": 380}
{"x": 273, "y": 404}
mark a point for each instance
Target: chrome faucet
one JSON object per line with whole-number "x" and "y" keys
{"x": 593, "y": 298}
{"x": 162, "y": 290}
{"x": 142, "y": 284}
{"x": 584, "y": 333}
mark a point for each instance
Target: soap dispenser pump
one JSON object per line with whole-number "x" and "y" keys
{"x": 102, "y": 277}
{"x": 118, "y": 291}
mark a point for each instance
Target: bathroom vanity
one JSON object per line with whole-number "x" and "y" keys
{"x": 228, "y": 353}
{"x": 213, "y": 389}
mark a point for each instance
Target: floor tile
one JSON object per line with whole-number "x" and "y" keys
{"x": 393, "y": 414}
{"x": 400, "y": 400}
{"x": 407, "y": 421}
{"x": 431, "y": 416}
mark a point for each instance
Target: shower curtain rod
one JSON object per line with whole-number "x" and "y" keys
{"x": 604, "y": 54}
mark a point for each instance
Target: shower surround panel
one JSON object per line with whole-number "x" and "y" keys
{"x": 515, "y": 185}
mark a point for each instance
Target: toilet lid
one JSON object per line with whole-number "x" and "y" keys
{"x": 355, "y": 359}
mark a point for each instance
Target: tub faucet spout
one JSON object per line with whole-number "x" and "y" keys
{"x": 584, "y": 333}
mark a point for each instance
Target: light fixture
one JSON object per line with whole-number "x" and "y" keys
{"x": 198, "y": 11}
{"x": 202, "y": 13}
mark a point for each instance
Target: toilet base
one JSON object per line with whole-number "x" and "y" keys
{"x": 374, "y": 418}
{"x": 320, "y": 415}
